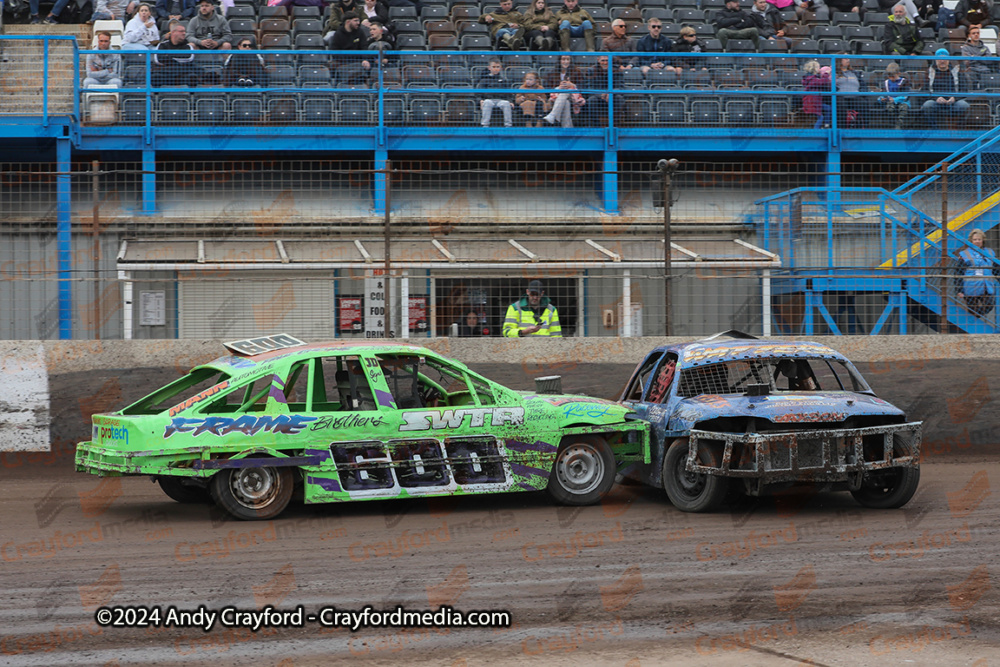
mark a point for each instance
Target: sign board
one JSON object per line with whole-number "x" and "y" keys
{"x": 253, "y": 346}
{"x": 418, "y": 313}
{"x": 349, "y": 319}
{"x": 153, "y": 308}
{"x": 374, "y": 307}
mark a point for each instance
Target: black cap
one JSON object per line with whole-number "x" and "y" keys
{"x": 535, "y": 286}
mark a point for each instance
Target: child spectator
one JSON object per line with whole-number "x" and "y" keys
{"x": 896, "y": 104}
{"x": 817, "y": 79}
{"x": 532, "y": 105}
{"x": 493, "y": 79}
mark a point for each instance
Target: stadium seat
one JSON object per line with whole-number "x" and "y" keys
{"x": 455, "y": 76}
{"x": 687, "y": 15}
{"x": 705, "y": 112}
{"x": 433, "y": 13}
{"x": 442, "y": 42}
{"x": 317, "y": 109}
{"x": 307, "y": 26}
{"x": 402, "y": 13}
{"x": 393, "y": 110}
{"x": 281, "y": 108}
{"x": 305, "y": 12}
{"x": 475, "y": 43}
{"x": 658, "y": 78}
{"x": 210, "y": 108}
{"x": 740, "y": 112}
{"x": 241, "y": 12}
{"x": 266, "y": 12}
{"x": 775, "y": 113}
{"x": 243, "y": 26}
{"x": 132, "y": 109}
{"x": 354, "y": 110}
{"x": 419, "y": 77}
{"x": 410, "y": 42}
{"x": 247, "y": 108}
{"x": 462, "y": 111}
{"x": 173, "y": 109}
{"x": 671, "y": 112}
{"x": 633, "y": 111}
{"x": 273, "y": 26}
{"x": 281, "y": 75}
{"x": 314, "y": 76}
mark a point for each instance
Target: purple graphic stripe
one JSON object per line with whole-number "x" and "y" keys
{"x": 326, "y": 483}
{"x": 537, "y": 446}
{"x": 384, "y": 398}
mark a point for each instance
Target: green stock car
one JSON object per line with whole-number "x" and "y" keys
{"x": 358, "y": 421}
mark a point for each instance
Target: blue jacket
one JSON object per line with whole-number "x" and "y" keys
{"x": 649, "y": 45}
{"x": 163, "y": 7}
{"x": 978, "y": 267}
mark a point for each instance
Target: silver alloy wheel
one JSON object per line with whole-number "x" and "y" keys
{"x": 580, "y": 468}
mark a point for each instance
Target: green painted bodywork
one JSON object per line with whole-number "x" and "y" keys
{"x": 473, "y": 436}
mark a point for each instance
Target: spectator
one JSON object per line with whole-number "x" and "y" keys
{"x": 817, "y": 7}
{"x": 472, "y": 328}
{"x": 850, "y": 107}
{"x": 816, "y": 79}
{"x": 336, "y": 18}
{"x": 565, "y": 105}
{"x": 244, "y": 69}
{"x": 492, "y": 79}
{"x": 380, "y": 38}
{"x": 911, "y": 9}
{"x": 175, "y": 60}
{"x": 896, "y": 104}
{"x": 141, "y": 32}
{"x": 532, "y": 315}
{"x": 975, "y": 48}
{"x": 597, "y": 103}
{"x": 505, "y": 26}
{"x": 373, "y": 10}
{"x": 846, "y": 6}
{"x": 734, "y": 23}
{"x": 900, "y": 36}
{"x": 974, "y": 12}
{"x": 103, "y": 69}
{"x": 109, "y": 10}
{"x": 618, "y": 41}
{"x": 979, "y": 269}
{"x": 574, "y": 21}
{"x": 689, "y": 43}
{"x": 174, "y": 10}
{"x": 532, "y": 105}
{"x": 209, "y": 30}
{"x": 944, "y": 79}
{"x": 567, "y": 70}
{"x": 768, "y": 20}
{"x": 351, "y": 37}
{"x": 927, "y": 11}
{"x": 53, "y": 16}
{"x": 654, "y": 42}
{"x": 540, "y": 27}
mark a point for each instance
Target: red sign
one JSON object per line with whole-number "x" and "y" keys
{"x": 418, "y": 313}
{"x": 349, "y": 313}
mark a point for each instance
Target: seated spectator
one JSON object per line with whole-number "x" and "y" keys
{"x": 373, "y": 10}
{"x": 566, "y": 70}
{"x": 653, "y": 42}
{"x": 53, "y": 16}
{"x": 565, "y": 105}
{"x": 574, "y": 21}
{"x": 492, "y": 79}
{"x": 689, "y": 43}
{"x": 208, "y": 29}
{"x": 532, "y": 105}
{"x": 244, "y": 69}
{"x": 174, "y": 10}
{"x": 900, "y": 36}
{"x": 975, "y": 48}
{"x": 846, "y": 6}
{"x": 380, "y": 38}
{"x": 175, "y": 60}
{"x": 927, "y": 12}
{"x": 817, "y": 79}
{"x": 944, "y": 79}
{"x": 351, "y": 37}
{"x": 850, "y": 108}
{"x": 734, "y": 23}
{"x": 597, "y": 78}
{"x": 505, "y": 26}
{"x": 110, "y": 10}
{"x": 104, "y": 69}
{"x": 895, "y": 102}
{"x": 540, "y": 27}
{"x": 974, "y": 12}
{"x": 768, "y": 20}
{"x": 618, "y": 41}
{"x": 817, "y": 7}
{"x": 141, "y": 32}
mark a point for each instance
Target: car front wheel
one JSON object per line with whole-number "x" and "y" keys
{"x": 583, "y": 472}
{"x": 253, "y": 493}
{"x": 892, "y": 487}
{"x": 690, "y": 491}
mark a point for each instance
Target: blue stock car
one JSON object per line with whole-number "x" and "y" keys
{"x": 759, "y": 413}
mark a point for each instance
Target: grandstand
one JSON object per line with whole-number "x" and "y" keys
{"x": 158, "y": 210}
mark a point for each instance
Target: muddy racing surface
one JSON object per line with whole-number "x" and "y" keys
{"x": 799, "y": 578}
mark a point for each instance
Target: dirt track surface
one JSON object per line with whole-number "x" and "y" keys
{"x": 808, "y": 578}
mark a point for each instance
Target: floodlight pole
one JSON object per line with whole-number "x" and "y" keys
{"x": 667, "y": 167}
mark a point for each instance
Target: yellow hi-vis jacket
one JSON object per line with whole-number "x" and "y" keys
{"x": 520, "y": 316}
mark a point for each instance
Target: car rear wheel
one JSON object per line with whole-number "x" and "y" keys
{"x": 689, "y": 491}
{"x": 892, "y": 487}
{"x": 177, "y": 490}
{"x": 583, "y": 472}
{"x": 253, "y": 493}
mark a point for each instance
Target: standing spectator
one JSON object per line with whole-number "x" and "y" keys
{"x": 244, "y": 69}
{"x": 896, "y": 103}
{"x": 974, "y": 12}
{"x": 174, "y": 10}
{"x": 734, "y": 23}
{"x": 374, "y": 10}
{"x": 900, "y": 36}
{"x": 574, "y": 22}
{"x": 492, "y": 79}
{"x": 975, "y": 48}
{"x": 505, "y": 26}
{"x": 141, "y": 32}
{"x": 768, "y": 20}
{"x": 654, "y": 42}
{"x": 103, "y": 69}
{"x": 978, "y": 268}
{"x": 175, "y": 60}
{"x": 540, "y": 27}
{"x": 109, "y": 10}
{"x": 816, "y": 79}
{"x": 944, "y": 79}
{"x": 209, "y": 30}
{"x": 689, "y": 43}
{"x": 531, "y": 104}
{"x": 532, "y": 315}
{"x": 850, "y": 108}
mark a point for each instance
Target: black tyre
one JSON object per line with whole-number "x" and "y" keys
{"x": 177, "y": 490}
{"x": 893, "y": 487}
{"x": 583, "y": 472}
{"x": 253, "y": 493}
{"x": 688, "y": 491}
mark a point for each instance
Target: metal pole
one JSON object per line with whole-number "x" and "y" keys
{"x": 944, "y": 327}
{"x": 387, "y": 320}
{"x": 667, "y": 167}
{"x": 96, "y": 250}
